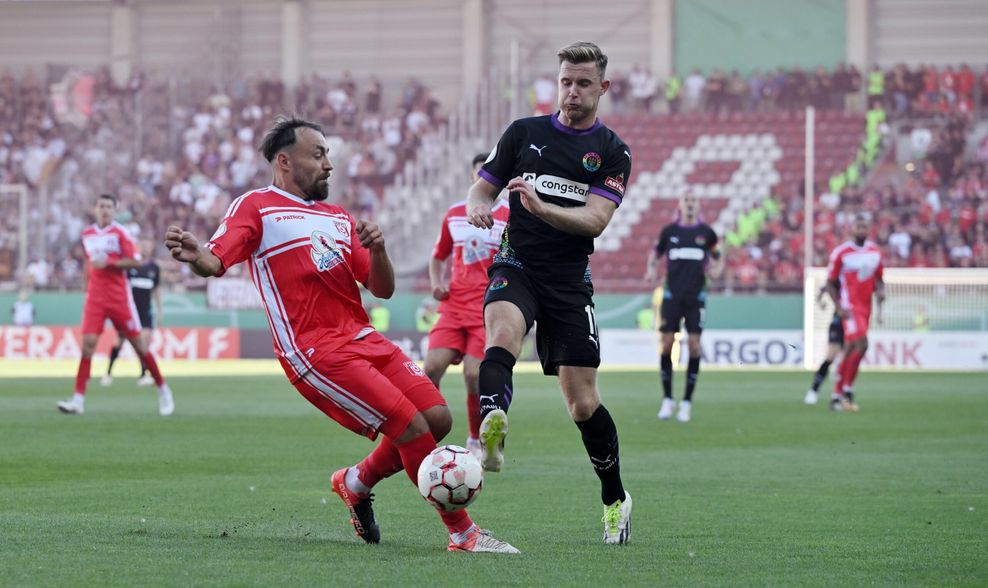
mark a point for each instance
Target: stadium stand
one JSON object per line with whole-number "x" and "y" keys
{"x": 181, "y": 149}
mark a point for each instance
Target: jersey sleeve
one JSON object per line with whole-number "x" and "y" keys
{"x": 237, "y": 236}
{"x": 500, "y": 165}
{"x": 613, "y": 176}
{"x": 834, "y": 266}
{"x": 359, "y": 255}
{"x": 662, "y": 245}
{"x": 712, "y": 242}
{"x": 128, "y": 249}
{"x": 444, "y": 244}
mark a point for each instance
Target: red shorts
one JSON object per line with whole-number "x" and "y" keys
{"x": 369, "y": 386}
{"x": 451, "y": 331}
{"x": 856, "y": 324}
{"x": 123, "y": 315}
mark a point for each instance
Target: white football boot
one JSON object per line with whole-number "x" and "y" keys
{"x": 685, "y": 408}
{"x": 74, "y": 405}
{"x": 493, "y": 430}
{"x": 166, "y": 404}
{"x": 617, "y": 521}
{"x": 810, "y": 398}
{"x": 665, "y": 411}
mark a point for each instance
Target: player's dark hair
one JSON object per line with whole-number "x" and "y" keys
{"x": 584, "y": 52}
{"x": 479, "y": 158}
{"x": 283, "y": 134}
{"x": 109, "y": 197}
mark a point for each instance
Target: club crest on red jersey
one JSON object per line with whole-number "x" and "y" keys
{"x": 414, "y": 369}
{"x": 325, "y": 254}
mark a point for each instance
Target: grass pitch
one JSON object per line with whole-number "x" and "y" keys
{"x": 758, "y": 490}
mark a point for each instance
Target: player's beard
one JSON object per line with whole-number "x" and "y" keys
{"x": 318, "y": 190}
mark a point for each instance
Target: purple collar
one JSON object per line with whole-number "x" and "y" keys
{"x": 571, "y": 131}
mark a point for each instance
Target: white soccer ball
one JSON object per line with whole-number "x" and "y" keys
{"x": 450, "y": 477}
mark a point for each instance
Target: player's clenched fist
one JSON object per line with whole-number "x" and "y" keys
{"x": 529, "y": 199}
{"x": 182, "y": 245}
{"x": 370, "y": 235}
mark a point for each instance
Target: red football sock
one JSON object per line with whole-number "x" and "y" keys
{"x": 82, "y": 376}
{"x": 412, "y": 454}
{"x": 473, "y": 415}
{"x": 853, "y": 362}
{"x": 383, "y": 462}
{"x": 152, "y": 366}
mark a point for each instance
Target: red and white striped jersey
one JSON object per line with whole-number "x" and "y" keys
{"x": 857, "y": 269}
{"x": 305, "y": 259}
{"x": 473, "y": 250}
{"x": 109, "y": 244}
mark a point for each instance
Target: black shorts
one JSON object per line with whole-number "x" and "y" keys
{"x": 147, "y": 317}
{"x": 676, "y": 310}
{"x": 835, "y": 334}
{"x": 566, "y": 331}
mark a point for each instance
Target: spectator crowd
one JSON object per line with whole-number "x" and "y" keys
{"x": 179, "y": 152}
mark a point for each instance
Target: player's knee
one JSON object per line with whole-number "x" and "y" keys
{"x": 471, "y": 373}
{"x": 440, "y": 421}
{"x": 581, "y": 409}
{"x": 417, "y": 427}
{"x": 434, "y": 371}
{"x": 694, "y": 348}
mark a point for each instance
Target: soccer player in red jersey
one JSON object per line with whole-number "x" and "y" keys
{"x": 305, "y": 257}
{"x": 459, "y": 333}
{"x": 110, "y": 252}
{"x": 854, "y": 276}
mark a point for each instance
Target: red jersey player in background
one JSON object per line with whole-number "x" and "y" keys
{"x": 305, "y": 258}
{"x": 110, "y": 252}
{"x": 459, "y": 333}
{"x": 854, "y": 275}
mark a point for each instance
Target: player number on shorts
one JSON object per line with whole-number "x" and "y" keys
{"x": 590, "y": 318}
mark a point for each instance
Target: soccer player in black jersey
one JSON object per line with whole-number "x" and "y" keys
{"x": 688, "y": 246}
{"x": 143, "y": 282}
{"x": 835, "y": 344}
{"x": 566, "y": 174}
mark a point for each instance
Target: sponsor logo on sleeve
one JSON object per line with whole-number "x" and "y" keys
{"x": 616, "y": 184}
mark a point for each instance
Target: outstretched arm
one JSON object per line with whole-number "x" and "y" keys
{"x": 184, "y": 247}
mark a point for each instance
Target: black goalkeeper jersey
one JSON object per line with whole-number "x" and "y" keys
{"x": 143, "y": 280}
{"x": 565, "y": 166}
{"x": 687, "y": 248}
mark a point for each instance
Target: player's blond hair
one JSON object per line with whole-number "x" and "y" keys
{"x": 584, "y": 52}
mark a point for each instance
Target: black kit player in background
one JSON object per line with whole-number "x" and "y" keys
{"x": 143, "y": 282}
{"x": 688, "y": 245}
{"x": 835, "y": 344}
{"x": 566, "y": 174}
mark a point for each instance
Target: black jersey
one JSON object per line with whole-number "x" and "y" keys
{"x": 687, "y": 248}
{"x": 143, "y": 280}
{"x": 565, "y": 166}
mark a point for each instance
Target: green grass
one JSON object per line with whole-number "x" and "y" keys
{"x": 758, "y": 490}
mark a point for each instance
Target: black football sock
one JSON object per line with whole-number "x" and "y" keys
{"x": 114, "y": 353}
{"x": 665, "y": 363}
{"x": 821, "y": 375}
{"x": 600, "y": 437}
{"x": 495, "y": 380}
{"x": 692, "y": 370}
